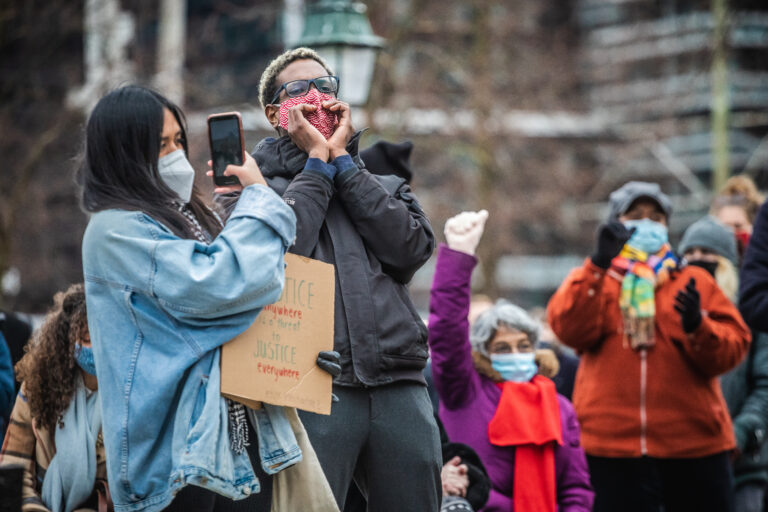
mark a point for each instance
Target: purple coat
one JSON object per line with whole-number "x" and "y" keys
{"x": 468, "y": 400}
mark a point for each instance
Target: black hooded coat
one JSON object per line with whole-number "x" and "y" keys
{"x": 372, "y": 229}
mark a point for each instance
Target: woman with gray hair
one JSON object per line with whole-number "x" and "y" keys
{"x": 491, "y": 397}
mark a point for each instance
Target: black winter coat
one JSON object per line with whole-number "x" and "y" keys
{"x": 746, "y": 387}
{"x": 372, "y": 229}
{"x": 753, "y": 277}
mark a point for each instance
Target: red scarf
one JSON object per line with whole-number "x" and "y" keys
{"x": 528, "y": 418}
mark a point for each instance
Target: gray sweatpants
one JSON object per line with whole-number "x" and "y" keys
{"x": 386, "y": 439}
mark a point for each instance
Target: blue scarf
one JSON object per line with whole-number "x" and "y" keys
{"x": 71, "y": 475}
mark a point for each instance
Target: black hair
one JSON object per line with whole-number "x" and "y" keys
{"x": 119, "y": 168}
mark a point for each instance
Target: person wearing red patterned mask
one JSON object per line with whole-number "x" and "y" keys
{"x": 736, "y": 206}
{"x": 373, "y": 231}
{"x": 305, "y": 90}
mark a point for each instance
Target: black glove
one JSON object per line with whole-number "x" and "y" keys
{"x": 611, "y": 238}
{"x": 329, "y": 361}
{"x": 688, "y": 304}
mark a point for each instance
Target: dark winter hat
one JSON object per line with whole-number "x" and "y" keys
{"x": 389, "y": 158}
{"x": 709, "y": 233}
{"x": 622, "y": 199}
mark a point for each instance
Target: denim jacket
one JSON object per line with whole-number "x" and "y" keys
{"x": 159, "y": 308}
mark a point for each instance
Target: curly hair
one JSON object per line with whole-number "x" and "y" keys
{"x": 268, "y": 82}
{"x": 739, "y": 191}
{"x": 48, "y": 369}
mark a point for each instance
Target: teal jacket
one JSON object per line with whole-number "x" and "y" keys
{"x": 745, "y": 389}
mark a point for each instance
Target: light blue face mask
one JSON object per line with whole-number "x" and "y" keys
{"x": 84, "y": 358}
{"x": 515, "y": 367}
{"x": 649, "y": 236}
{"x": 177, "y": 173}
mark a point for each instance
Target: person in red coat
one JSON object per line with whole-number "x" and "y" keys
{"x": 653, "y": 338}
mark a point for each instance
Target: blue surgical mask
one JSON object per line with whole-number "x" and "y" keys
{"x": 515, "y": 367}
{"x": 177, "y": 173}
{"x": 649, "y": 236}
{"x": 84, "y": 357}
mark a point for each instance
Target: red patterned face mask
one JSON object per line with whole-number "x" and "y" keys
{"x": 324, "y": 120}
{"x": 742, "y": 241}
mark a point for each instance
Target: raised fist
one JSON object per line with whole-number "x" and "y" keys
{"x": 463, "y": 231}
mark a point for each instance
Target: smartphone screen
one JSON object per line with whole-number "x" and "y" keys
{"x": 226, "y": 145}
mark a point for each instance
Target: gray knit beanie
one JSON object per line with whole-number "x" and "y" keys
{"x": 709, "y": 233}
{"x": 621, "y": 199}
{"x": 502, "y": 314}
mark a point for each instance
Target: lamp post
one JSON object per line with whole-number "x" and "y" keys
{"x": 340, "y": 32}
{"x": 720, "y": 100}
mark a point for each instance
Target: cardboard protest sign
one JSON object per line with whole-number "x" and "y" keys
{"x": 273, "y": 361}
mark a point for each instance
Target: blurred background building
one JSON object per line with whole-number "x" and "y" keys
{"x": 659, "y": 72}
{"x": 534, "y": 110}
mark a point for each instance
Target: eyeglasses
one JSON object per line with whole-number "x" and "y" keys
{"x": 327, "y": 84}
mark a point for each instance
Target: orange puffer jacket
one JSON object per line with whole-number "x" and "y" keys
{"x": 665, "y": 402}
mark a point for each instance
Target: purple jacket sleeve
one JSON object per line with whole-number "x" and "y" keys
{"x": 452, "y": 369}
{"x": 498, "y": 502}
{"x": 574, "y": 490}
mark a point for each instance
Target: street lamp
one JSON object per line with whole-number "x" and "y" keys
{"x": 340, "y": 32}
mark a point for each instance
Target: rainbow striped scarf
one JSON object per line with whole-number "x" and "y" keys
{"x": 643, "y": 273}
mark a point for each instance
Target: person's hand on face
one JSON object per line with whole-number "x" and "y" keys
{"x": 454, "y": 478}
{"x": 337, "y": 143}
{"x": 248, "y": 174}
{"x": 310, "y": 83}
{"x": 304, "y": 135}
{"x": 463, "y": 231}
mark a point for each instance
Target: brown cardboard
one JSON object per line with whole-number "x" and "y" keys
{"x": 273, "y": 361}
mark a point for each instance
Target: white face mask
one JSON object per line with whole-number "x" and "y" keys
{"x": 177, "y": 173}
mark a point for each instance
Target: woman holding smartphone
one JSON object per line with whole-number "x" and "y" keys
{"x": 166, "y": 285}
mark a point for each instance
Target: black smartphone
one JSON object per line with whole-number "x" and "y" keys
{"x": 225, "y": 136}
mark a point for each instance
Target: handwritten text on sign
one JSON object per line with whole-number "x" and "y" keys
{"x": 274, "y": 360}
